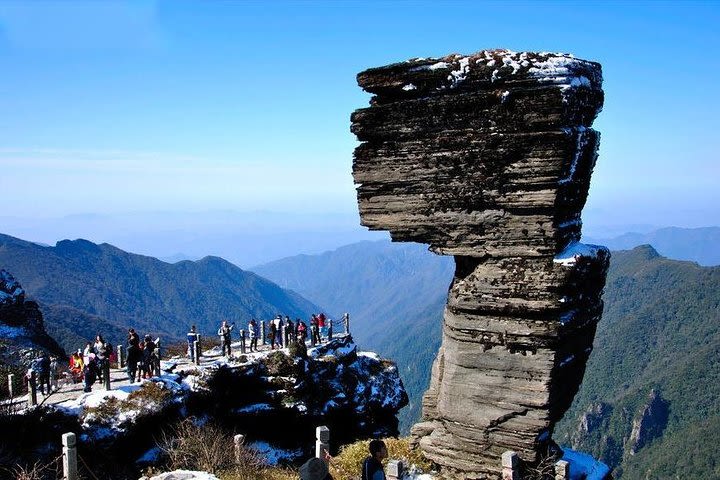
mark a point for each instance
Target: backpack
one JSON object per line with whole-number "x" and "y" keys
{"x": 369, "y": 467}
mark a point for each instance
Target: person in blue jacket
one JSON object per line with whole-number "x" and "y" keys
{"x": 372, "y": 468}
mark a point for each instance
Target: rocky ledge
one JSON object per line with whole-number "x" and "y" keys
{"x": 488, "y": 157}
{"x": 22, "y": 329}
{"x": 274, "y": 398}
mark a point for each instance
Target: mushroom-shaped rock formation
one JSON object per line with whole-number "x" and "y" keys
{"x": 488, "y": 158}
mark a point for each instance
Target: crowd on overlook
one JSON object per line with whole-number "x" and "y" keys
{"x": 281, "y": 332}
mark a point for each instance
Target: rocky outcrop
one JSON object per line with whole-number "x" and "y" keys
{"x": 275, "y": 398}
{"x": 488, "y": 158}
{"x": 22, "y": 331}
{"x": 649, "y": 423}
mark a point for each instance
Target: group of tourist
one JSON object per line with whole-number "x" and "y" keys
{"x": 282, "y": 332}
{"x": 142, "y": 356}
{"x": 89, "y": 364}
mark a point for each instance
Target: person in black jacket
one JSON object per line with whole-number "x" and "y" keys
{"x": 133, "y": 354}
{"x": 42, "y": 366}
{"x": 372, "y": 468}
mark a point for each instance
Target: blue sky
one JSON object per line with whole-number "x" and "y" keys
{"x": 192, "y": 106}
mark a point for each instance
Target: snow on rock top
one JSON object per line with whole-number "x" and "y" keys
{"x": 496, "y": 66}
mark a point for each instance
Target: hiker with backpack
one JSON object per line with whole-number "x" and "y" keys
{"x": 42, "y": 367}
{"x": 372, "y": 468}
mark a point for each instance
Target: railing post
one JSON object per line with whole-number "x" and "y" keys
{"x": 346, "y": 323}
{"x": 262, "y": 332}
{"x": 330, "y": 333}
{"x": 198, "y": 348}
{"x": 106, "y": 374}
{"x": 239, "y": 440}
{"x": 157, "y": 361}
{"x": 70, "y": 471}
{"x": 11, "y": 384}
{"x": 395, "y": 469}
{"x": 196, "y": 355}
{"x": 322, "y": 441}
{"x": 32, "y": 387}
{"x": 242, "y": 342}
{"x": 562, "y": 470}
{"x": 283, "y": 338}
{"x": 510, "y": 466}
{"x": 121, "y": 356}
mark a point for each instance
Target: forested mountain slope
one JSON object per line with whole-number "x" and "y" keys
{"x": 84, "y": 288}
{"x": 650, "y": 401}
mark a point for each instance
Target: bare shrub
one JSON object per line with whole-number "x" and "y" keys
{"x": 189, "y": 446}
{"x": 105, "y": 413}
{"x": 279, "y": 364}
{"x": 149, "y": 393}
{"x": 36, "y": 471}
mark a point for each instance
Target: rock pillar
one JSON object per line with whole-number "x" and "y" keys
{"x": 488, "y": 158}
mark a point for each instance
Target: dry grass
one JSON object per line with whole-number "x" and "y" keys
{"x": 347, "y": 465}
{"x": 210, "y": 448}
{"x": 149, "y": 393}
{"x": 266, "y": 473}
{"x": 191, "y": 447}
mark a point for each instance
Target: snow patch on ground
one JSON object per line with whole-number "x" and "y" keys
{"x": 183, "y": 475}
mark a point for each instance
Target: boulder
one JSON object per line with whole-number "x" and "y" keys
{"x": 488, "y": 157}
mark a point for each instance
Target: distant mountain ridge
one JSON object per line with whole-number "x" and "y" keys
{"x": 85, "y": 289}
{"x": 701, "y": 245}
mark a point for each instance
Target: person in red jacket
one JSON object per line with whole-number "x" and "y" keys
{"x": 321, "y": 327}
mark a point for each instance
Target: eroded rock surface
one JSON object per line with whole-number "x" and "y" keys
{"x": 488, "y": 158}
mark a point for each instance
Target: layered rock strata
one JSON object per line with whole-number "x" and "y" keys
{"x": 488, "y": 158}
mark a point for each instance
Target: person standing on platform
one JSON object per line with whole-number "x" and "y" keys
{"x": 254, "y": 332}
{"x": 225, "y": 339}
{"x": 192, "y": 337}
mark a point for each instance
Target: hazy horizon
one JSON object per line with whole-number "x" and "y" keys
{"x": 120, "y": 110}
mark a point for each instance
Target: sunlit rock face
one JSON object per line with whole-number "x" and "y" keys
{"x": 488, "y": 158}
